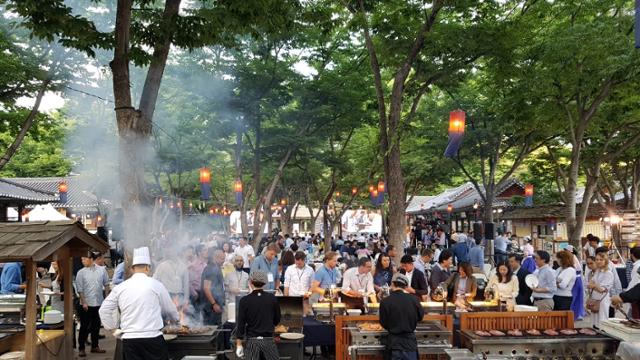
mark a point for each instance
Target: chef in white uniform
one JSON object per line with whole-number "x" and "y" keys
{"x": 142, "y": 303}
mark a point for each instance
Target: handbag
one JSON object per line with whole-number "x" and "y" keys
{"x": 593, "y": 305}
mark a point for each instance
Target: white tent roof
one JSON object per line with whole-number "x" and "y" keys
{"x": 45, "y": 213}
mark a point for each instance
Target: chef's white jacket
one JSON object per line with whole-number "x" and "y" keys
{"x": 142, "y": 303}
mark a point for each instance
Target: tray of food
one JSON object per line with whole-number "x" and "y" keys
{"x": 370, "y": 327}
{"x": 534, "y": 333}
{"x": 189, "y": 330}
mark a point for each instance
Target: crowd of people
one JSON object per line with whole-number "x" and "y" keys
{"x": 201, "y": 280}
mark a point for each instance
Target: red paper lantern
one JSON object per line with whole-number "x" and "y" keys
{"x": 374, "y": 193}
{"x": 456, "y": 122}
{"x": 449, "y": 208}
{"x": 205, "y": 175}
{"x": 283, "y": 202}
{"x": 62, "y": 190}
{"x": 354, "y": 190}
{"x": 337, "y": 193}
{"x": 371, "y": 187}
{"x": 237, "y": 186}
{"x": 381, "y": 187}
{"x": 528, "y": 190}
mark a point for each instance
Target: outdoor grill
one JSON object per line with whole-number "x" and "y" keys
{"x": 291, "y": 314}
{"x": 432, "y": 338}
{"x": 325, "y": 311}
{"x": 204, "y": 342}
{"x": 528, "y": 347}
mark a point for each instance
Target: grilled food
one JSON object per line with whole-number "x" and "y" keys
{"x": 482, "y": 333}
{"x": 568, "y": 332}
{"x": 496, "y": 333}
{"x": 281, "y": 329}
{"x": 533, "y": 332}
{"x": 587, "y": 331}
{"x": 185, "y": 330}
{"x": 370, "y": 327}
{"x": 551, "y": 332}
{"x": 514, "y": 332}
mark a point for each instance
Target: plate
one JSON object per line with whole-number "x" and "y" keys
{"x": 292, "y": 336}
{"x": 169, "y": 337}
{"x": 531, "y": 281}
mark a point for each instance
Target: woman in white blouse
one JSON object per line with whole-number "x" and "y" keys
{"x": 504, "y": 283}
{"x": 565, "y": 279}
{"x": 599, "y": 289}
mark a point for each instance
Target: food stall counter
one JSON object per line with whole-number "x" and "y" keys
{"x": 46, "y": 336}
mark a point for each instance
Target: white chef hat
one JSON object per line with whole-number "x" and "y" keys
{"x": 569, "y": 248}
{"x": 141, "y": 256}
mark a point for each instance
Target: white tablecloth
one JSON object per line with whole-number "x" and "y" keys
{"x": 629, "y": 350}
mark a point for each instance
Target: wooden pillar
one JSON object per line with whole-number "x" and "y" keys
{"x": 66, "y": 264}
{"x": 3, "y": 212}
{"x": 30, "y": 326}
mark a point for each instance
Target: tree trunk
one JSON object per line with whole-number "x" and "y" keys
{"x": 238, "y": 165}
{"x": 635, "y": 186}
{"x": 26, "y": 125}
{"x": 573, "y": 232}
{"x": 266, "y": 202}
{"x": 134, "y": 127}
{"x": 488, "y": 205}
{"x": 326, "y": 228}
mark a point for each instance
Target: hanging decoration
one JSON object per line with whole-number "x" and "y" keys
{"x": 381, "y": 191}
{"x": 205, "y": 183}
{"x": 528, "y": 195}
{"x": 637, "y": 24}
{"x": 456, "y": 132}
{"x": 354, "y": 190}
{"x": 374, "y": 196}
{"x": 237, "y": 189}
{"x": 62, "y": 191}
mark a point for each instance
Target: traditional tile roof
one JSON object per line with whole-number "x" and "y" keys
{"x": 11, "y": 190}
{"x": 556, "y": 211}
{"x": 419, "y": 203}
{"x": 76, "y": 196}
{"x": 39, "y": 240}
{"x": 461, "y": 197}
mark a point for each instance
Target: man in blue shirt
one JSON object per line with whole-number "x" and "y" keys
{"x": 11, "y": 279}
{"x": 547, "y": 286}
{"x": 476, "y": 255}
{"x": 212, "y": 285}
{"x": 268, "y": 264}
{"x": 500, "y": 245}
{"x": 326, "y": 275}
{"x": 461, "y": 251}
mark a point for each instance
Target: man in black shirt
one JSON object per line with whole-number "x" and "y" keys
{"x": 399, "y": 315}
{"x": 417, "y": 282}
{"x": 258, "y": 314}
{"x": 524, "y": 295}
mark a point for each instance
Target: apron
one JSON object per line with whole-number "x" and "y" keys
{"x": 266, "y": 347}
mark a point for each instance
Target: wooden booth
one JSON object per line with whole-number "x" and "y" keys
{"x": 34, "y": 242}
